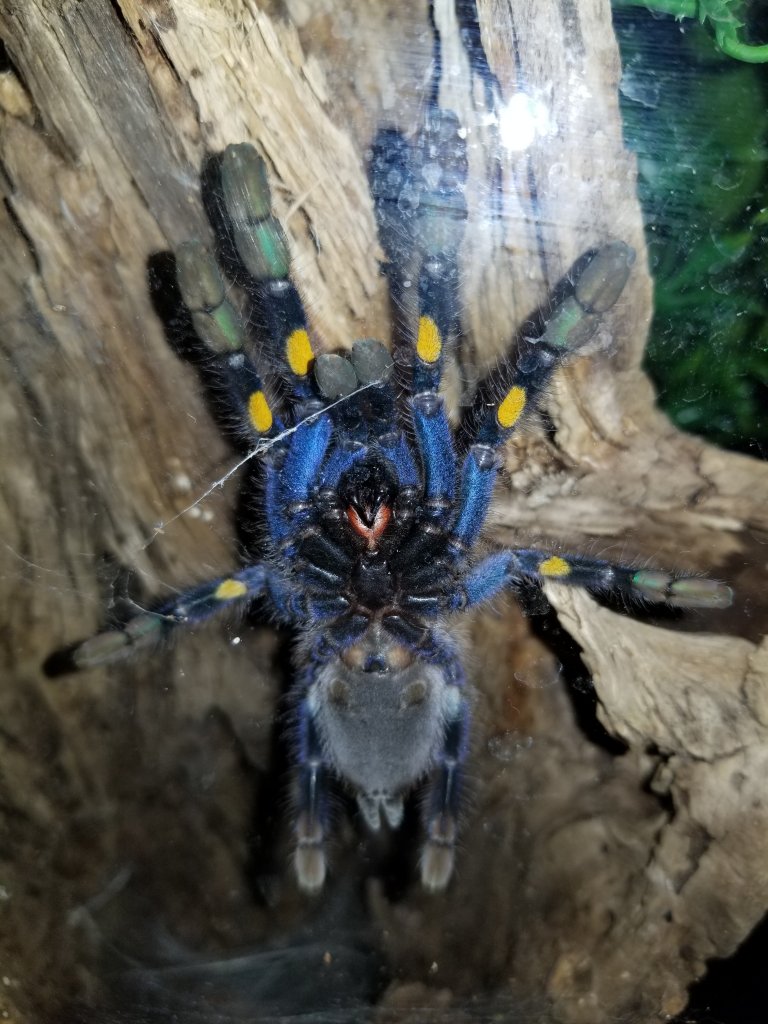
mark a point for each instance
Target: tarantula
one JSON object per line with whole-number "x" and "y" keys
{"x": 373, "y": 505}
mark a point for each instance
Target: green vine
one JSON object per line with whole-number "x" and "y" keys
{"x": 720, "y": 15}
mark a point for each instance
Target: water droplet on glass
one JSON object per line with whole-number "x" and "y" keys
{"x": 509, "y": 746}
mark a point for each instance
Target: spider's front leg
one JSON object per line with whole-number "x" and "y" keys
{"x": 262, "y": 248}
{"x": 264, "y": 261}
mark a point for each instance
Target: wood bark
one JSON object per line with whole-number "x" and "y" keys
{"x": 592, "y": 884}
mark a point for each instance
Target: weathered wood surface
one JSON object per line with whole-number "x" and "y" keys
{"x": 593, "y": 884}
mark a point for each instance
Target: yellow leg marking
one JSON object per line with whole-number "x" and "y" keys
{"x": 227, "y": 590}
{"x": 554, "y": 566}
{"x": 428, "y": 343}
{"x": 511, "y": 409}
{"x": 259, "y": 412}
{"x": 298, "y": 352}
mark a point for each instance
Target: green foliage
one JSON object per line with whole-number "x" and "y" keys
{"x": 724, "y": 17}
{"x": 699, "y": 123}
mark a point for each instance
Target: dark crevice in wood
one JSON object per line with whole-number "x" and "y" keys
{"x": 733, "y": 990}
{"x": 576, "y": 675}
{"x": 18, "y": 225}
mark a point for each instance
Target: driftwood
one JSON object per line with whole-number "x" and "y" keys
{"x": 610, "y": 848}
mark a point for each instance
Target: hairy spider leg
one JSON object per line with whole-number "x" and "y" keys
{"x": 290, "y": 476}
{"x": 522, "y": 383}
{"x": 596, "y": 284}
{"x": 516, "y": 385}
{"x": 311, "y": 819}
{"x": 433, "y": 435}
{"x": 220, "y": 327}
{"x": 439, "y": 173}
{"x": 507, "y": 569}
{"x": 439, "y": 167}
{"x": 263, "y": 249}
{"x": 443, "y": 799}
{"x": 187, "y": 608}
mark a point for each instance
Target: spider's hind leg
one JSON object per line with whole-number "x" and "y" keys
{"x": 442, "y": 804}
{"x": 311, "y": 823}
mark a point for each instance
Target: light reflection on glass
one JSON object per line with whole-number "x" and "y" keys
{"x": 521, "y": 120}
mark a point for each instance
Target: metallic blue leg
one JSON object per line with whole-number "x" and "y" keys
{"x": 505, "y": 569}
{"x": 435, "y": 443}
{"x": 394, "y": 447}
{"x": 306, "y": 451}
{"x": 478, "y": 477}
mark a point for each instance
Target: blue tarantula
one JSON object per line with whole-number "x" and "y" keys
{"x": 372, "y": 505}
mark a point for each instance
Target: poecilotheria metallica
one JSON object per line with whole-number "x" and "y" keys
{"x": 372, "y": 504}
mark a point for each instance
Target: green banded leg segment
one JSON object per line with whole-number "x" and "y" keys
{"x": 605, "y": 577}
{"x": 220, "y": 327}
{"x": 597, "y": 281}
{"x": 187, "y": 608}
{"x": 263, "y": 250}
{"x": 593, "y": 287}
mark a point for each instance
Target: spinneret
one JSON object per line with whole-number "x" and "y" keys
{"x": 372, "y": 516}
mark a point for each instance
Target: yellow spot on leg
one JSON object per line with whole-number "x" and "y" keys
{"x": 227, "y": 590}
{"x": 259, "y": 412}
{"x": 298, "y": 352}
{"x": 428, "y": 343}
{"x": 511, "y": 408}
{"x": 554, "y": 566}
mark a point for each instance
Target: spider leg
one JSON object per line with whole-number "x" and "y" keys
{"x": 442, "y": 803}
{"x": 191, "y": 606}
{"x": 433, "y": 182}
{"x": 262, "y": 247}
{"x": 220, "y": 327}
{"x": 506, "y": 569}
{"x": 290, "y": 476}
{"x": 439, "y": 167}
{"x": 434, "y": 445}
{"x": 441, "y": 155}
{"x": 517, "y": 384}
{"x": 515, "y": 387}
{"x": 312, "y": 804}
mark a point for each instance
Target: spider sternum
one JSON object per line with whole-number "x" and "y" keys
{"x": 372, "y": 581}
